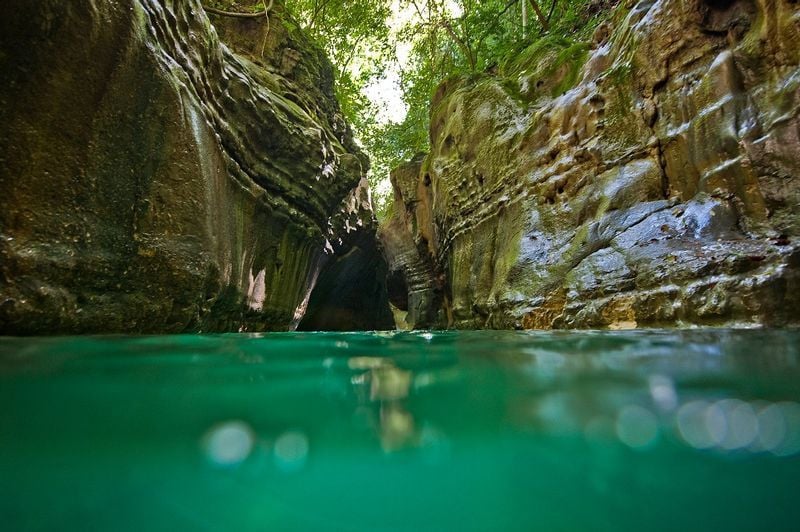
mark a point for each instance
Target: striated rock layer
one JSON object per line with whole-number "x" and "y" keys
{"x": 649, "y": 178}
{"x": 152, "y": 180}
{"x": 414, "y": 285}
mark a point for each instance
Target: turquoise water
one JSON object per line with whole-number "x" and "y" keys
{"x": 691, "y": 430}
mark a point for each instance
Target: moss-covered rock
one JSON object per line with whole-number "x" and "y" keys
{"x": 415, "y": 282}
{"x": 647, "y": 178}
{"x": 151, "y": 180}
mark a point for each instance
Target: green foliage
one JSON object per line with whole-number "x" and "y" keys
{"x": 235, "y": 6}
{"x": 356, "y": 37}
{"x": 483, "y": 35}
{"x": 448, "y": 38}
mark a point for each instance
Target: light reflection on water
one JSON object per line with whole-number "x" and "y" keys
{"x": 389, "y": 422}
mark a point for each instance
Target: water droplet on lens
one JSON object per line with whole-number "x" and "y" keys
{"x": 435, "y": 445}
{"x": 771, "y": 427}
{"x": 791, "y": 441}
{"x": 229, "y": 443}
{"x": 742, "y": 424}
{"x": 692, "y": 425}
{"x": 662, "y": 390}
{"x": 423, "y": 380}
{"x": 637, "y": 427}
{"x": 716, "y": 424}
{"x": 291, "y": 451}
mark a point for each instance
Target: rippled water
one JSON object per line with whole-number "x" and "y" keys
{"x": 692, "y": 430}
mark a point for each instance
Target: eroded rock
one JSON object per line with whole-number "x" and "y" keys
{"x": 415, "y": 285}
{"x": 649, "y": 178}
{"x": 151, "y": 180}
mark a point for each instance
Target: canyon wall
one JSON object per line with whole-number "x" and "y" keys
{"x": 152, "y": 179}
{"x": 650, "y": 177}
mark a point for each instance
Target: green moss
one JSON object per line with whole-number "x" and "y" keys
{"x": 552, "y": 64}
{"x": 573, "y": 57}
{"x": 534, "y": 55}
{"x": 620, "y": 74}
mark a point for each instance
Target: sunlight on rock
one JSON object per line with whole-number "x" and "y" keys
{"x": 622, "y": 325}
{"x": 229, "y": 443}
{"x": 291, "y": 451}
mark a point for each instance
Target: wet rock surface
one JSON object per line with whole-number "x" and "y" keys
{"x": 414, "y": 283}
{"x": 647, "y": 178}
{"x": 152, "y": 180}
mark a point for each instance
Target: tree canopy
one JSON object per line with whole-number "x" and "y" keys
{"x": 446, "y": 38}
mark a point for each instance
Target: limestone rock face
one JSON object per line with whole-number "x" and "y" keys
{"x": 414, "y": 283}
{"x": 152, "y": 180}
{"x": 648, "y": 178}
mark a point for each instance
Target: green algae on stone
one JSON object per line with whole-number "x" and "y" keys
{"x": 653, "y": 173}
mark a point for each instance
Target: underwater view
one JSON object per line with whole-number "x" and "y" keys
{"x": 640, "y": 430}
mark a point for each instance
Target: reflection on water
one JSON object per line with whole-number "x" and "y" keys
{"x": 388, "y": 387}
{"x": 403, "y": 431}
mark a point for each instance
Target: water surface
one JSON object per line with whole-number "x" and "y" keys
{"x": 645, "y": 430}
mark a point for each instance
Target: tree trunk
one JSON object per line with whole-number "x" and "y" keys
{"x": 524, "y": 20}
{"x": 539, "y": 15}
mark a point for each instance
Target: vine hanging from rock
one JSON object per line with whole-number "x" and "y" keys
{"x": 264, "y": 13}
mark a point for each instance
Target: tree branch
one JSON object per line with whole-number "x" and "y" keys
{"x": 264, "y": 13}
{"x": 542, "y": 20}
{"x": 220, "y": 12}
{"x": 462, "y": 44}
{"x": 353, "y": 51}
{"x": 266, "y": 33}
{"x": 552, "y": 9}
